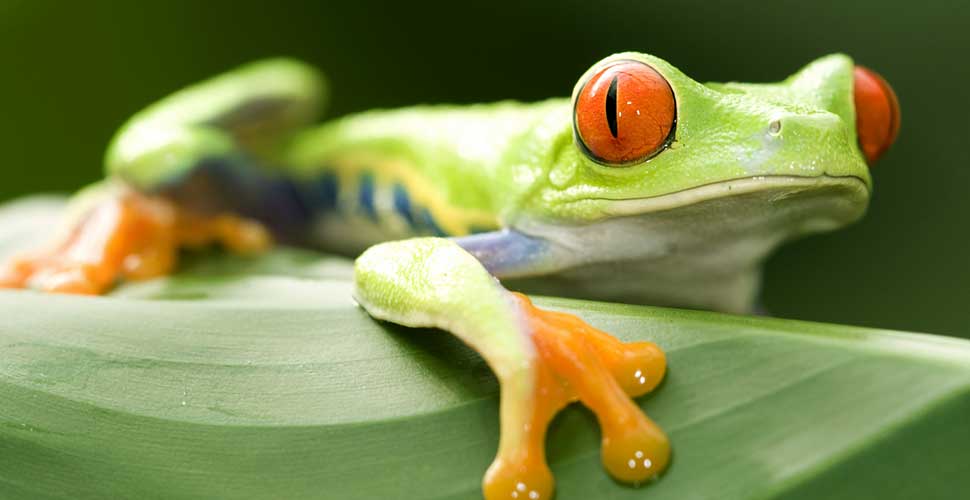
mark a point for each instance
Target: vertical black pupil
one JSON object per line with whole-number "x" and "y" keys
{"x": 611, "y": 107}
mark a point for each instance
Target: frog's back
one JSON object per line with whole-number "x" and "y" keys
{"x": 419, "y": 171}
{"x": 245, "y": 142}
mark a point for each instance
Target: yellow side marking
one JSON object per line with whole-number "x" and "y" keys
{"x": 455, "y": 221}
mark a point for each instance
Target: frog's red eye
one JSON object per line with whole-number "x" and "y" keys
{"x": 624, "y": 114}
{"x": 876, "y": 113}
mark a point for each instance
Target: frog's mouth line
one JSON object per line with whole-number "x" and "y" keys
{"x": 785, "y": 185}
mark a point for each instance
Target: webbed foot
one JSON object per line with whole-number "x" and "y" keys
{"x": 578, "y": 362}
{"x": 125, "y": 235}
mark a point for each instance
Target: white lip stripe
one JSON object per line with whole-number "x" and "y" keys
{"x": 636, "y": 206}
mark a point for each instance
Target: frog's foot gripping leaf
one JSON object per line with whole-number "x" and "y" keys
{"x": 543, "y": 360}
{"x": 116, "y": 233}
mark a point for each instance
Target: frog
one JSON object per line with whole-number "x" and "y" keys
{"x": 644, "y": 186}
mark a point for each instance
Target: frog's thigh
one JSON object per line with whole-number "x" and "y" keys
{"x": 238, "y": 117}
{"x": 543, "y": 360}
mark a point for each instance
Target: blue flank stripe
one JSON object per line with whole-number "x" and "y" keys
{"x": 324, "y": 196}
{"x": 402, "y": 204}
{"x": 366, "y": 195}
{"x": 428, "y": 221}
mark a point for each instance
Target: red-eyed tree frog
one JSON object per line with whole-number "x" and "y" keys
{"x": 645, "y": 186}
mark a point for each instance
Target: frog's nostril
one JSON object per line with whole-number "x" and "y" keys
{"x": 774, "y": 128}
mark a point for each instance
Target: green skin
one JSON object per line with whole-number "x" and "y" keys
{"x": 750, "y": 166}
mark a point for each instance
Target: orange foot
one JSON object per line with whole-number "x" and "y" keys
{"x": 578, "y": 362}
{"x": 126, "y": 235}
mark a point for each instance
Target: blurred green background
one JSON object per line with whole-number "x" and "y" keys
{"x": 74, "y": 71}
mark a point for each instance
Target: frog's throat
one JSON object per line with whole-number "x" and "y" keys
{"x": 700, "y": 248}
{"x": 785, "y": 185}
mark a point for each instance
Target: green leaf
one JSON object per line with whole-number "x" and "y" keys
{"x": 260, "y": 378}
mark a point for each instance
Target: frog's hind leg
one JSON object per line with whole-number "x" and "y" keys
{"x": 543, "y": 360}
{"x": 248, "y": 113}
{"x": 186, "y": 171}
{"x": 116, "y": 233}
{"x": 214, "y": 147}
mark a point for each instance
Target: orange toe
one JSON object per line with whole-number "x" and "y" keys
{"x": 127, "y": 235}
{"x": 521, "y": 477}
{"x": 578, "y": 362}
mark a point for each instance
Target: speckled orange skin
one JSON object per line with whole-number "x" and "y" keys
{"x": 577, "y": 362}
{"x": 127, "y": 236}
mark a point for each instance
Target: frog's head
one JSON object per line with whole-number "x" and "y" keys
{"x": 648, "y": 172}
{"x": 645, "y": 138}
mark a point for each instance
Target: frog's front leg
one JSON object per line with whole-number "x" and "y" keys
{"x": 543, "y": 360}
